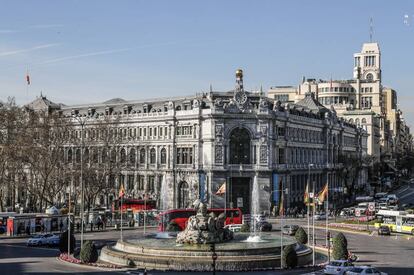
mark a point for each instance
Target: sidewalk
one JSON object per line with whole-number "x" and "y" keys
{"x": 107, "y": 229}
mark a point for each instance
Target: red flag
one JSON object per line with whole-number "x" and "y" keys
{"x": 28, "y": 79}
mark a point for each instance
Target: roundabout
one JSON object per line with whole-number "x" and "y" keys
{"x": 205, "y": 245}
{"x": 236, "y": 255}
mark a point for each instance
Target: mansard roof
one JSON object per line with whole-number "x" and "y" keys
{"x": 312, "y": 104}
{"x": 42, "y": 103}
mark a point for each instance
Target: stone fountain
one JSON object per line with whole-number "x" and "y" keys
{"x": 203, "y": 228}
{"x": 192, "y": 249}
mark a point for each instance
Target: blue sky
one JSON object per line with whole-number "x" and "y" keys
{"x": 91, "y": 51}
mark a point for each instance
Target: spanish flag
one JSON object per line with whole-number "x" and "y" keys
{"x": 322, "y": 195}
{"x": 222, "y": 189}
{"x": 306, "y": 195}
{"x": 121, "y": 191}
{"x": 281, "y": 206}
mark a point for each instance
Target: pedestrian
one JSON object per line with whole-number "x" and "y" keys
{"x": 61, "y": 225}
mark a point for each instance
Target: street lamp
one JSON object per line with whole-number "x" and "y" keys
{"x": 307, "y": 206}
{"x": 82, "y": 121}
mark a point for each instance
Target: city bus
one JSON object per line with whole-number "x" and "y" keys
{"x": 181, "y": 216}
{"x": 135, "y": 205}
{"x": 397, "y": 221}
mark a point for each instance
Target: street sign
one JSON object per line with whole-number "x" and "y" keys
{"x": 357, "y": 213}
{"x": 371, "y": 206}
{"x": 311, "y": 195}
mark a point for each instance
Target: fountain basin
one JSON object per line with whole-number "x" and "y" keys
{"x": 235, "y": 255}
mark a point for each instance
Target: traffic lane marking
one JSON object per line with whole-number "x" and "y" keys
{"x": 30, "y": 247}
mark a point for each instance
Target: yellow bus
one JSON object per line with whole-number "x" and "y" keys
{"x": 397, "y": 221}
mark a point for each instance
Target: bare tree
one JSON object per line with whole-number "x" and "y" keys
{"x": 13, "y": 138}
{"x": 100, "y": 155}
{"x": 45, "y": 157}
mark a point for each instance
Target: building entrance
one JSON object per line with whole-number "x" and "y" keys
{"x": 240, "y": 194}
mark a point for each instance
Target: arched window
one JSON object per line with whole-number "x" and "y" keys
{"x": 142, "y": 156}
{"x": 357, "y": 121}
{"x": 113, "y": 155}
{"x": 240, "y": 146}
{"x": 95, "y": 158}
{"x": 104, "y": 155}
{"x": 132, "y": 156}
{"x": 78, "y": 155}
{"x": 123, "y": 155}
{"x": 364, "y": 120}
{"x": 183, "y": 195}
{"x": 70, "y": 155}
{"x": 163, "y": 156}
{"x": 152, "y": 156}
{"x": 370, "y": 77}
{"x": 86, "y": 155}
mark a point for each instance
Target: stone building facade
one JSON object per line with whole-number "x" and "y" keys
{"x": 193, "y": 145}
{"x": 362, "y": 100}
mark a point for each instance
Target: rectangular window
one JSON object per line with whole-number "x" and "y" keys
{"x": 281, "y": 156}
{"x": 151, "y": 183}
{"x": 281, "y": 131}
{"x": 141, "y": 182}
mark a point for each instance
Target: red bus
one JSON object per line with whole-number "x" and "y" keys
{"x": 181, "y": 216}
{"x": 135, "y": 205}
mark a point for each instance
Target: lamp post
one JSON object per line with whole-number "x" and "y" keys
{"x": 82, "y": 121}
{"x": 307, "y": 206}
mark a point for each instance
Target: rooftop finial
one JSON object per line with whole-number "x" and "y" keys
{"x": 239, "y": 79}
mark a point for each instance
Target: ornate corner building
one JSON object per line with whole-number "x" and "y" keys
{"x": 362, "y": 101}
{"x": 193, "y": 145}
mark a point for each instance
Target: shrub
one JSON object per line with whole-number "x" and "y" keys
{"x": 340, "y": 250}
{"x": 89, "y": 253}
{"x": 173, "y": 227}
{"x": 63, "y": 244}
{"x": 289, "y": 258}
{"x": 301, "y": 236}
{"x": 245, "y": 228}
{"x": 341, "y": 238}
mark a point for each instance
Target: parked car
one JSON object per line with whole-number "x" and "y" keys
{"x": 290, "y": 229}
{"x": 321, "y": 216}
{"x": 364, "y": 270}
{"x": 392, "y": 199}
{"x": 38, "y": 240}
{"x": 383, "y": 206}
{"x": 53, "y": 240}
{"x": 380, "y": 195}
{"x": 384, "y": 230}
{"x": 338, "y": 267}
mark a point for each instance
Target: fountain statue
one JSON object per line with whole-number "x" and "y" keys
{"x": 204, "y": 228}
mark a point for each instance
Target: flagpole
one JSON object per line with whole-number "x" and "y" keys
{"x": 327, "y": 210}
{"x": 122, "y": 198}
{"x": 281, "y": 226}
{"x": 313, "y": 225}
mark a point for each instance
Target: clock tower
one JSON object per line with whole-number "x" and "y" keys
{"x": 367, "y": 63}
{"x": 240, "y": 95}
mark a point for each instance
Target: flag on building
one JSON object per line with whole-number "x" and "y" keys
{"x": 322, "y": 195}
{"x": 222, "y": 189}
{"x": 306, "y": 195}
{"x": 121, "y": 191}
{"x": 281, "y": 206}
